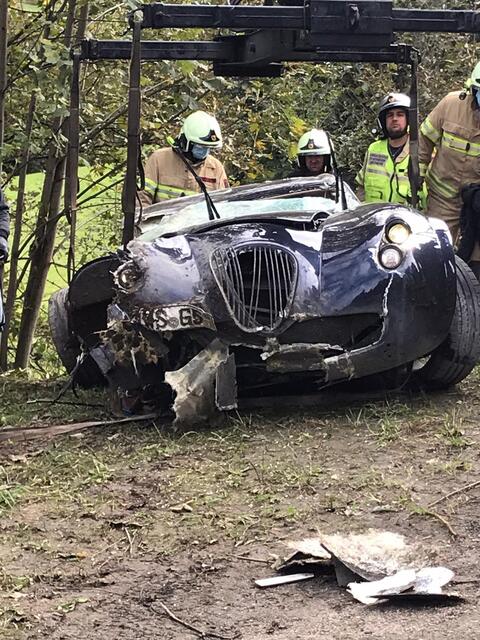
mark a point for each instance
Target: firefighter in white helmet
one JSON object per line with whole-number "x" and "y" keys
{"x": 166, "y": 175}
{"x": 313, "y": 154}
{"x": 449, "y": 154}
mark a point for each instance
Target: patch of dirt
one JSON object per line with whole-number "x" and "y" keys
{"x": 98, "y": 532}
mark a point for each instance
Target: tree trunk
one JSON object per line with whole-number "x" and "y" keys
{"x": 19, "y": 209}
{"x": 3, "y": 70}
{"x": 47, "y": 220}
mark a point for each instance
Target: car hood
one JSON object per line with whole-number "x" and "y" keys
{"x": 336, "y": 263}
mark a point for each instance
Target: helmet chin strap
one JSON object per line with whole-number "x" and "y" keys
{"x": 476, "y": 97}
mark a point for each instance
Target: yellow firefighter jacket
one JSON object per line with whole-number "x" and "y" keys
{"x": 166, "y": 176}
{"x": 453, "y": 130}
{"x": 382, "y": 179}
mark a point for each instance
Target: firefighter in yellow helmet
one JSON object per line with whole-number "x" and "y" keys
{"x": 166, "y": 175}
{"x": 384, "y": 173}
{"x": 449, "y": 154}
{"x": 313, "y": 154}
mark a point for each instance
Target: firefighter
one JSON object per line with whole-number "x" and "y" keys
{"x": 449, "y": 154}
{"x": 313, "y": 154}
{"x": 384, "y": 174}
{"x": 166, "y": 175}
{"x": 4, "y": 229}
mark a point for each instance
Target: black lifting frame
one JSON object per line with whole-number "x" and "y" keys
{"x": 261, "y": 38}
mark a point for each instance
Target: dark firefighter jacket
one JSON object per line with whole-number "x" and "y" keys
{"x": 4, "y": 218}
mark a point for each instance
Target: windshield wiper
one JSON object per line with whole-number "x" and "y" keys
{"x": 212, "y": 211}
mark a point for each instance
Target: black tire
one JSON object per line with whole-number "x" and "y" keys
{"x": 458, "y": 354}
{"x": 88, "y": 374}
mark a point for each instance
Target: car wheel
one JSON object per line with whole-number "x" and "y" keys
{"x": 458, "y": 354}
{"x": 68, "y": 348}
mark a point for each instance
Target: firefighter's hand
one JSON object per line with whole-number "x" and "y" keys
{"x": 3, "y": 249}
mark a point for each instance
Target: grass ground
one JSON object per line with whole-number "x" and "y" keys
{"x": 102, "y": 529}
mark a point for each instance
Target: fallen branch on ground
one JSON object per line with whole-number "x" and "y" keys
{"x": 22, "y": 433}
{"x": 187, "y": 625}
{"x": 426, "y": 512}
{"x": 467, "y": 487}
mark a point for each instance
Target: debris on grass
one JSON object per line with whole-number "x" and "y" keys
{"x": 372, "y": 555}
{"x": 375, "y": 566}
{"x": 426, "y": 584}
{"x": 305, "y": 552}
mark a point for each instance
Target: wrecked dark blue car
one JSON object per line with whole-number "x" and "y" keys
{"x": 286, "y": 289}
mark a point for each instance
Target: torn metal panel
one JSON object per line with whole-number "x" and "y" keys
{"x": 371, "y": 592}
{"x": 226, "y": 385}
{"x": 373, "y": 555}
{"x": 432, "y": 579}
{"x": 425, "y": 584}
{"x": 287, "y": 579}
{"x": 305, "y": 552}
{"x": 310, "y": 547}
{"x": 104, "y": 357}
{"x": 194, "y": 385}
{"x": 297, "y": 357}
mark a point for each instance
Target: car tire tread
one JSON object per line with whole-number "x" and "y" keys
{"x": 458, "y": 354}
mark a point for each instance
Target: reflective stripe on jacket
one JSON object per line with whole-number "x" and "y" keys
{"x": 166, "y": 176}
{"x": 453, "y": 130}
{"x": 382, "y": 178}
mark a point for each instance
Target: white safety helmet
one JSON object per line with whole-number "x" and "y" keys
{"x": 475, "y": 77}
{"x": 314, "y": 143}
{"x": 202, "y": 129}
{"x": 473, "y": 83}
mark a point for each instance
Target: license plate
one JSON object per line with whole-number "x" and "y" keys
{"x": 174, "y": 318}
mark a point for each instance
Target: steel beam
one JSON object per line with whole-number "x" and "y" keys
{"x": 157, "y": 50}
{"x": 240, "y": 50}
{"x": 355, "y": 17}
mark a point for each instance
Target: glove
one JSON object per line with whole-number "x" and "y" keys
{"x": 3, "y": 249}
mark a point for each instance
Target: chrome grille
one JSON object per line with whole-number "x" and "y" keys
{"x": 257, "y": 283}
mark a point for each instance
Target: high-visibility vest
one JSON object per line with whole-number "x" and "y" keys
{"x": 382, "y": 178}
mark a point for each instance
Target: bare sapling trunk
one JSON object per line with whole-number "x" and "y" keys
{"x": 3, "y": 71}
{"x": 46, "y": 226}
{"x": 14, "y": 252}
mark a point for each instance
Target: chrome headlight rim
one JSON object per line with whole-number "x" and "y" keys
{"x": 128, "y": 277}
{"x": 390, "y": 249}
{"x": 397, "y": 226}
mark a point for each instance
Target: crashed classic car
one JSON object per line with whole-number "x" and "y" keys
{"x": 287, "y": 286}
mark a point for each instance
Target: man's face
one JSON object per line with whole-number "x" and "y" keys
{"x": 396, "y": 123}
{"x": 314, "y": 164}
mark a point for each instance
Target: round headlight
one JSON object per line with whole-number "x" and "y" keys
{"x": 398, "y": 233}
{"x": 390, "y": 257}
{"x": 128, "y": 276}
